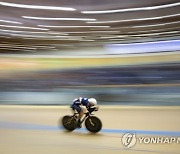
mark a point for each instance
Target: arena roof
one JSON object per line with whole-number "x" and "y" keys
{"x": 52, "y": 25}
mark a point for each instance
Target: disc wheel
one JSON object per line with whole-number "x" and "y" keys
{"x": 69, "y": 123}
{"x": 93, "y": 124}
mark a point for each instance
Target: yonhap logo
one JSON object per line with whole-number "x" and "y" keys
{"x": 129, "y": 140}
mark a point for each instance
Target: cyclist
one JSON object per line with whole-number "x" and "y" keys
{"x": 81, "y": 105}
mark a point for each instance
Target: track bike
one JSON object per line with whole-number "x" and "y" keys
{"x": 92, "y": 123}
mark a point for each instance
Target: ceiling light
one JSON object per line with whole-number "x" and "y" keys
{"x": 7, "y": 48}
{"x": 87, "y": 40}
{"x": 116, "y": 39}
{"x": 5, "y": 37}
{"x": 16, "y": 47}
{"x": 94, "y": 32}
{"x": 160, "y": 33}
{"x": 65, "y": 19}
{"x": 137, "y": 19}
{"x": 37, "y": 7}
{"x": 56, "y": 33}
{"x": 23, "y": 27}
{"x": 30, "y": 32}
{"x": 133, "y": 9}
{"x": 153, "y": 30}
{"x": 47, "y": 38}
{"x": 39, "y": 36}
{"x": 73, "y": 26}
{"x": 156, "y": 24}
{"x": 13, "y": 22}
{"x": 65, "y": 45}
{"x": 108, "y": 37}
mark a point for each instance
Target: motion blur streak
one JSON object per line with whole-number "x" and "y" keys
{"x": 37, "y": 7}
{"x": 25, "y": 126}
{"x": 159, "y": 46}
{"x": 132, "y": 9}
{"x": 148, "y": 79}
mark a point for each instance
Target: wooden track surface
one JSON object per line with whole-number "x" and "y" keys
{"x": 33, "y": 130}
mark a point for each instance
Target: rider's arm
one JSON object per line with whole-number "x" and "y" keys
{"x": 76, "y": 102}
{"x": 92, "y": 108}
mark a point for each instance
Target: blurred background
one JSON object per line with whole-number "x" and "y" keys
{"x": 129, "y": 80}
{"x": 120, "y": 52}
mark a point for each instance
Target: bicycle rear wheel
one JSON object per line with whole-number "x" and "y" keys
{"x": 69, "y": 122}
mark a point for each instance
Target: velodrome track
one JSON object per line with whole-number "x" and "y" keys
{"x": 34, "y": 130}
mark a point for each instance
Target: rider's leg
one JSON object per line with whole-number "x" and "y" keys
{"x": 81, "y": 110}
{"x": 81, "y": 113}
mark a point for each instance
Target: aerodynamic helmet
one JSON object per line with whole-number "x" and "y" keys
{"x": 92, "y": 101}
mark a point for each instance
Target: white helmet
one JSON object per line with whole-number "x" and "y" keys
{"x": 92, "y": 101}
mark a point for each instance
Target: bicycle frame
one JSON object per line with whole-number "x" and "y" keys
{"x": 92, "y": 123}
{"x": 87, "y": 114}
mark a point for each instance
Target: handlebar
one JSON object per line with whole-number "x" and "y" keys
{"x": 90, "y": 111}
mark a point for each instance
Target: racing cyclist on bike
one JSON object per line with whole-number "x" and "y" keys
{"x": 81, "y": 105}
